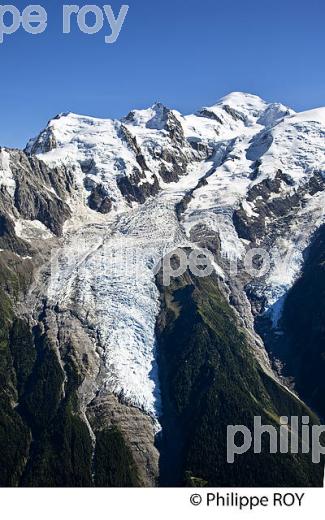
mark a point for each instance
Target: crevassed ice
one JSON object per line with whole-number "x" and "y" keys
{"x": 106, "y": 273}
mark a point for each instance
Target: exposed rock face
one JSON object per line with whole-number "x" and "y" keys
{"x": 99, "y": 354}
{"x": 37, "y": 192}
{"x": 99, "y": 200}
{"x": 133, "y": 145}
{"x": 137, "y": 430}
{"x": 210, "y": 115}
{"x": 274, "y": 202}
{"x": 46, "y": 140}
{"x": 75, "y": 348}
{"x": 135, "y": 189}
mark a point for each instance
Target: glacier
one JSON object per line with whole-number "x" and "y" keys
{"x": 103, "y": 267}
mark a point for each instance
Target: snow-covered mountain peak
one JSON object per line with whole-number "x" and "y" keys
{"x": 153, "y": 118}
{"x": 125, "y": 162}
{"x": 240, "y": 106}
{"x": 243, "y": 101}
{"x": 239, "y": 113}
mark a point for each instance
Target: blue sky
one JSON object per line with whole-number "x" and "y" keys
{"x": 185, "y": 53}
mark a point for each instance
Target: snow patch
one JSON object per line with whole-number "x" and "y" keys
{"x": 6, "y": 177}
{"x": 31, "y": 230}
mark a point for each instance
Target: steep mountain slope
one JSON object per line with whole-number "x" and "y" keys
{"x": 299, "y": 338}
{"x": 90, "y": 208}
{"x": 209, "y": 377}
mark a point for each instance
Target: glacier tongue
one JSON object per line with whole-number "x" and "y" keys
{"x": 106, "y": 274}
